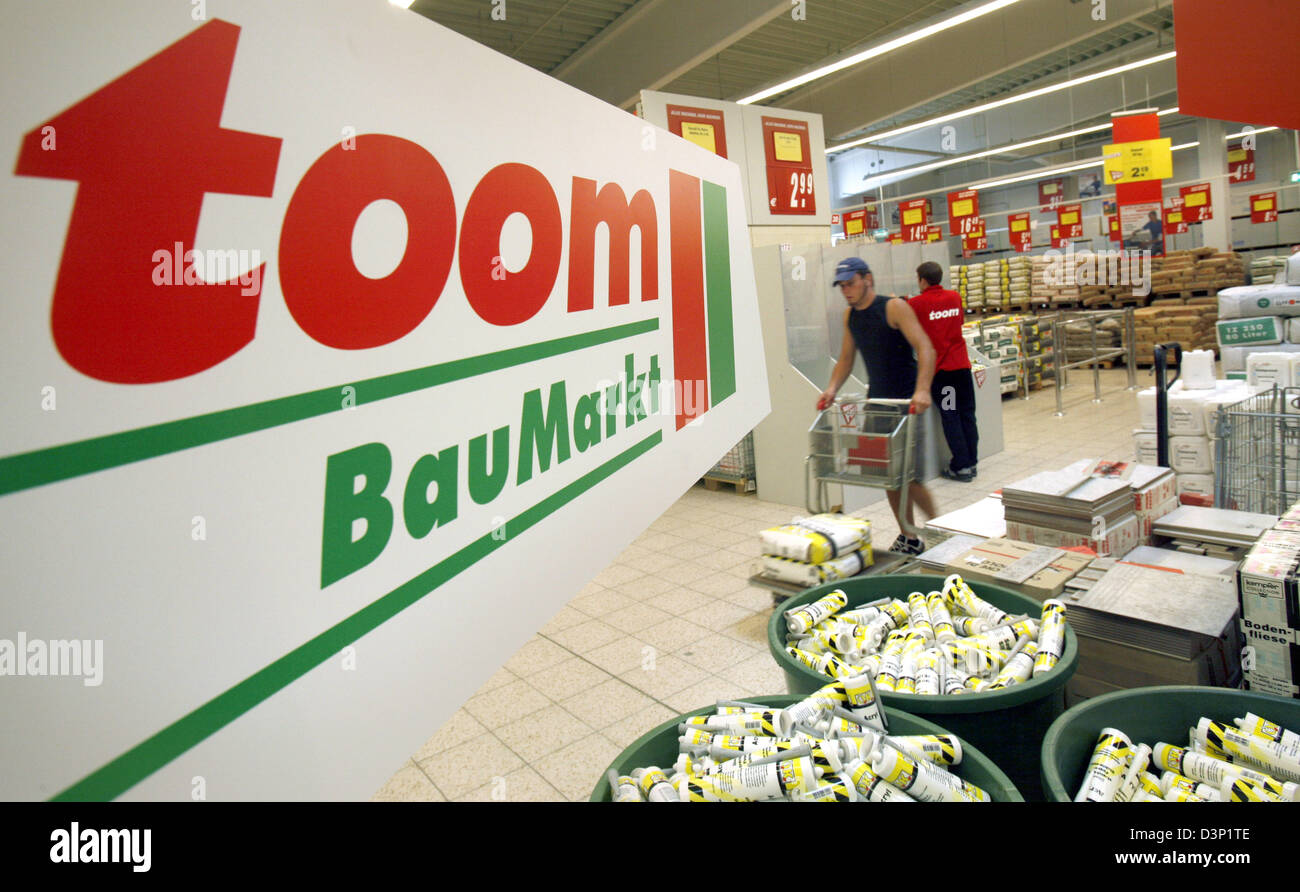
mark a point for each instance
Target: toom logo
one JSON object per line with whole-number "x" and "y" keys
{"x": 152, "y": 141}
{"x": 323, "y": 347}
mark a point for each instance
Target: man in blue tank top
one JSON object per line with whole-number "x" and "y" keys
{"x": 900, "y": 365}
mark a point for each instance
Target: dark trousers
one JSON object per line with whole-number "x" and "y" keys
{"x": 953, "y": 393}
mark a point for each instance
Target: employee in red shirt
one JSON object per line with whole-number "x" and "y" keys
{"x": 953, "y": 388}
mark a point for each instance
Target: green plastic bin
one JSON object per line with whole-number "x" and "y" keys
{"x": 1146, "y": 715}
{"x": 1008, "y": 725}
{"x": 659, "y": 747}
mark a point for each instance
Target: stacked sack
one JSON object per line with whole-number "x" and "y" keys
{"x": 1189, "y": 323}
{"x": 809, "y": 551}
{"x": 1265, "y": 270}
{"x": 1255, "y": 318}
{"x": 996, "y": 284}
{"x": 1079, "y": 338}
{"x": 969, "y": 282}
{"x": 1019, "y": 271}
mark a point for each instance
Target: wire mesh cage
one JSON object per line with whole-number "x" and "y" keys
{"x": 738, "y": 463}
{"x": 1257, "y": 457}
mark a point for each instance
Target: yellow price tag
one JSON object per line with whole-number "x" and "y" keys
{"x": 701, "y": 135}
{"x": 1264, "y": 204}
{"x": 933, "y": 236}
{"x": 1069, "y": 219}
{"x": 854, "y": 226}
{"x": 963, "y": 208}
{"x": 913, "y": 217}
{"x": 1195, "y": 199}
{"x": 1175, "y": 216}
{"x": 1237, "y": 155}
{"x": 788, "y": 146}
{"x": 1019, "y": 225}
{"x": 1139, "y": 162}
{"x": 1049, "y": 188}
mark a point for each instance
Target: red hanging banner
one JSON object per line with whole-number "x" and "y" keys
{"x": 1070, "y": 218}
{"x": 1241, "y": 164}
{"x": 1112, "y": 223}
{"x": 1022, "y": 239}
{"x": 789, "y": 167}
{"x": 1051, "y": 193}
{"x": 933, "y": 233}
{"x": 1140, "y": 196}
{"x": 915, "y": 219}
{"x": 1198, "y": 203}
{"x": 1263, "y": 207}
{"x": 963, "y": 211}
{"x": 703, "y": 126}
{"x": 1059, "y": 241}
{"x": 1175, "y": 222}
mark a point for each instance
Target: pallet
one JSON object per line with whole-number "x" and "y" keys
{"x": 741, "y": 485}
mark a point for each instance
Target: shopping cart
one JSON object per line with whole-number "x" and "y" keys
{"x": 861, "y": 442}
{"x": 1257, "y": 456}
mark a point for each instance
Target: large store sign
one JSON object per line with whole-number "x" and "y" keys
{"x": 340, "y": 352}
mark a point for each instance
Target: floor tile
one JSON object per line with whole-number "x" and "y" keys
{"x": 616, "y": 574}
{"x": 677, "y": 600}
{"x": 674, "y": 634}
{"x": 408, "y": 784}
{"x": 599, "y": 603}
{"x": 665, "y": 675}
{"x": 523, "y": 785}
{"x": 567, "y": 618}
{"x": 632, "y": 620}
{"x": 624, "y": 732}
{"x": 542, "y": 732}
{"x": 716, "y": 616}
{"x": 575, "y": 769}
{"x": 568, "y": 678}
{"x": 606, "y": 703}
{"x": 587, "y": 636}
{"x": 645, "y": 588}
{"x": 716, "y": 653}
{"x": 759, "y": 673}
{"x": 718, "y": 584}
{"x": 706, "y": 693}
{"x": 471, "y": 765}
{"x": 505, "y": 704}
{"x": 622, "y": 655}
{"x": 459, "y": 728}
{"x": 535, "y": 656}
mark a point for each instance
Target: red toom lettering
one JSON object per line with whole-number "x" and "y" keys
{"x": 145, "y": 149}
{"x": 498, "y": 296}
{"x": 327, "y": 296}
{"x": 612, "y": 208}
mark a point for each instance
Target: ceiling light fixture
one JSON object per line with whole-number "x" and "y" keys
{"x": 878, "y": 50}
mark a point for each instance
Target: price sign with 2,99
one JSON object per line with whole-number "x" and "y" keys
{"x": 789, "y": 167}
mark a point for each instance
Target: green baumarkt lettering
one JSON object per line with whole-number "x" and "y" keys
{"x": 549, "y": 432}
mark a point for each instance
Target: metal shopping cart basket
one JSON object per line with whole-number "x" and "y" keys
{"x": 1257, "y": 456}
{"x": 861, "y": 442}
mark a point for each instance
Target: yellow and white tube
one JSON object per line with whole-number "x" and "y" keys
{"x": 1018, "y": 670}
{"x": 1208, "y": 769}
{"x": 1051, "y": 637}
{"x": 1269, "y": 756}
{"x": 1131, "y": 785}
{"x": 923, "y": 780}
{"x": 871, "y": 786}
{"x": 1262, "y": 727}
{"x": 1243, "y": 789}
{"x": 654, "y": 785}
{"x": 928, "y": 678}
{"x": 1106, "y": 768}
{"x": 823, "y": 664}
{"x": 801, "y": 620}
{"x": 938, "y": 749}
{"x": 940, "y": 617}
{"x": 861, "y": 701}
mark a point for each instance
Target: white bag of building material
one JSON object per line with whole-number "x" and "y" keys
{"x": 1190, "y": 455}
{"x": 1144, "y": 446}
{"x": 1259, "y": 300}
{"x": 1196, "y": 484}
{"x": 1233, "y": 359}
{"x": 1198, "y": 368}
{"x": 1268, "y": 369}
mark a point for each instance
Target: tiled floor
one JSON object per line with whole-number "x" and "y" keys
{"x": 673, "y": 625}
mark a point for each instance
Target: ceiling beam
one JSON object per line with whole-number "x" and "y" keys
{"x": 878, "y": 90}
{"x": 656, "y": 41}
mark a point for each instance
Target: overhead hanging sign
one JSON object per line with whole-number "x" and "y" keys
{"x": 861, "y": 221}
{"x": 1112, "y": 225}
{"x": 1198, "y": 203}
{"x": 915, "y": 217}
{"x": 1139, "y": 161}
{"x": 1070, "y": 219}
{"x": 963, "y": 211}
{"x": 1263, "y": 208}
{"x": 300, "y": 430}
{"x": 789, "y": 167}
{"x": 1241, "y": 164}
{"x": 933, "y": 233}
{"x": 1059, "y": 239}
{"x": 1174, "y": 219}
{"x": 1022, "y": 238}
{"x": 1051, "y": 193}
{"x": 705, "y": 127}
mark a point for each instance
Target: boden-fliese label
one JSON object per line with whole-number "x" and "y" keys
{"x": 341, "y": 352}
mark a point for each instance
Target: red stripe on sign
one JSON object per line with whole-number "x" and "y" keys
{"x": 690, "y": 355}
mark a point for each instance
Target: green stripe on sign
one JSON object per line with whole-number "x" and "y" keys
{"x": 142, "y": 760}
{"x": 717, "y": 276}
{"x": 31, "y": 469}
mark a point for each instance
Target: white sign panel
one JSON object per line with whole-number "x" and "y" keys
{"x": 340, "y": 352}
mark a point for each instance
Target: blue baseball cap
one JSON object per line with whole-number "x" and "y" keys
{"x": 847, "y": 267}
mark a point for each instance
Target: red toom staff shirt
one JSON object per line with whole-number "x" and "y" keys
{"x": 941, "y": 316}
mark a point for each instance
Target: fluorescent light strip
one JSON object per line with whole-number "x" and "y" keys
{"x": 975, "y": 156}
{"x": 1168, "y": 111}
{"x": 1010, "y": 100}
{"x": 1249, "y": 132}
{"x": 880, "y": 50}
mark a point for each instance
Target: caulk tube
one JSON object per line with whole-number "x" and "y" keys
{"x": 807, "y": 643}
{"x": 1171, "y": 780}
{"x": 1207, "y": 769}
{"x": 1106, "y": 768}
{"x": 812, "y": 707}
{"x": 871, "y": 786}
{"x": 764, "y": 724}
{"x": 1018, "y": 670}
{"x": 654, "y": 785}
{"x": 823, "y": 664}
{"x": 1262, "y": 727}
{"x": 1027, "y": 626}
{"x": 887, "y": 677}
{"x": 939, "y": 749}
{"x": 1269, "y": 756}
{"x": 752, "y": 783}
{"x": 1242, "y": 789}
{"x": 1151, "y": 785}
{"x": 927, "y": 673}
{"x": 894, "y": 643}
{"x": 969, "y": 625}
{"x": 801, "y": 620}
{"x": 833, "y": 788}
{"x": 919, "y": 615}
{"x": 1051, "y": 637}
{"x": 862, "y": 703}
{"x": 907, "y": 675}
{"x": 1132, "y": 782}
{"x": 1178, "y": 794}
{"x": 961, "y": 594}
{"x": 622, "y": 788}
{"x": 921, "y": 780}
{"x": 940, "y": 618}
